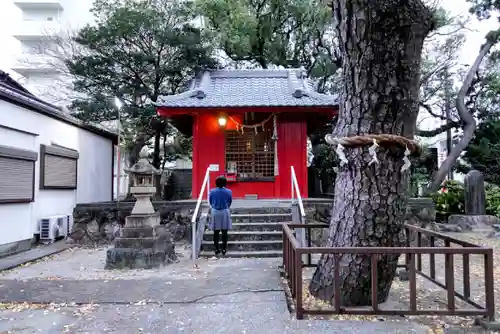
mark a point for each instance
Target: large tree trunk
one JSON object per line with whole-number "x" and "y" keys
{"x": 381, "y": 42}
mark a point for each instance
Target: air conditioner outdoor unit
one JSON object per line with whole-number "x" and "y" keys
{"x": 52, "y": 228}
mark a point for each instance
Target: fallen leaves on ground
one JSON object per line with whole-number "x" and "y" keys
{"x": 436, "y": 324}
{"x": 76, "y": 309}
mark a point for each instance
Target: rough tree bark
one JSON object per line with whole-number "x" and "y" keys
{"x": 467, "y": 119}
{"x": 381, "y": 43}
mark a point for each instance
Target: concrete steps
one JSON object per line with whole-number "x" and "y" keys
{"x": 247, "y": 235}
{"x": 261, "y": 210}
{"x": 256, "y": 233}
{"x": 256, "y": 227}
{"x": 261, "y": 218}
{"x": 246, "y": 254}
{"x": 240, "y": 245}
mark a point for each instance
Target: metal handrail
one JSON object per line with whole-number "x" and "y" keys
{"x": 205, "y": 184}
{"x": 296, "y": 190}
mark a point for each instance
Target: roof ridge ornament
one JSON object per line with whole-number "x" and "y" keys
{"x": 294, "y": 82}
{"x": 204, "y": 86}
{"x": 299, "y": 93}
{"x": 199, "y": 94}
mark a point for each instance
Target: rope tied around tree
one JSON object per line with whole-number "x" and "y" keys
{"x": 375, "y": 140}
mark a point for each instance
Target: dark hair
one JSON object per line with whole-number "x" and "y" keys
{"x": 221, "y": 182}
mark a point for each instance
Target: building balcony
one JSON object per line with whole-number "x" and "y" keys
{"x": 36, "y": 30}
{"x": 29, "y": 65}
{"x": 38, "y": 4}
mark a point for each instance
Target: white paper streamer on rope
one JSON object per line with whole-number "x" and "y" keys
{"x": 407, "y": 162}
{"x": 341, "y": 154}
{"x": 275, "y": 128}
{"x": 330, "y": 139}
{"x": 373, "y": 152}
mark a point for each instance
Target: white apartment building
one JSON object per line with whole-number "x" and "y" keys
{"x": 35, "y": 24}
{"x": 35, "y": 62}
{"x": 439, "y": 142}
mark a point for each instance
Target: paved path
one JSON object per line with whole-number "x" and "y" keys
{"x": 152, "y": 290}
{"x": 227, "y": 296}
{"x": 34, "y": 254}
{"x": 199, "y": 319}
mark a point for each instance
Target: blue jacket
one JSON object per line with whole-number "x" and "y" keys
{"x": 220, "y": 198}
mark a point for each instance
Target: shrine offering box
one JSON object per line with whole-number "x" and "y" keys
{"x": 230, "y": 177}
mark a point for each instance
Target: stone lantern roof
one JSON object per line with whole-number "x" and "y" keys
{"x": 143, "y": 166}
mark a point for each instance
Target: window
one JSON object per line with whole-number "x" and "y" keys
{"x": 58, "y": 167}
{"x": 250, "y": 154}
{"x": 17, "y": 175}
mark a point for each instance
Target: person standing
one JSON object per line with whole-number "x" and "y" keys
{"x": 220, "y": 199}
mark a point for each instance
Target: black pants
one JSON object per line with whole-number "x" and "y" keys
{"x": 224, "y": 240}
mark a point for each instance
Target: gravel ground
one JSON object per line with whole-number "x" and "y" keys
{"x": 88, "y": 264}
{"x": 431, "y": 296}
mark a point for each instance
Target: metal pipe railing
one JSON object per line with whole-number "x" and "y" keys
{"x": 296, "y": 190}
{"x": 302, "y": 212}
{"x": 205, "y": 184}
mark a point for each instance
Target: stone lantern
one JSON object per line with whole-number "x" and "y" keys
{"x": 143, "y": 242}
{"x": 143, "y": 186}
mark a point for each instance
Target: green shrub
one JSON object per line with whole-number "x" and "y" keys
{"x": 450, "y": 201}
{"x": 492, "y": 200}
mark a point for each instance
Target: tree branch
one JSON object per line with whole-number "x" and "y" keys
{"x": 467, "y": 119}
{"x": 431, "y": 112}
{"x": 436, "y": 131}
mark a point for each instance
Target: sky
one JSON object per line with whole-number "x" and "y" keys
{"x": 10, "y": 16}
{"x": 478, "y": 29}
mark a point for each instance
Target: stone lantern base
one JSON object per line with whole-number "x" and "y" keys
{"x": 143, "y": 244}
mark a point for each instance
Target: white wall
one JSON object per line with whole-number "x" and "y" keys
{"x": 122, "y": 183}
{"x": 19, "y": 221}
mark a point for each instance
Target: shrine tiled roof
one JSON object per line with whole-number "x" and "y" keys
{"x": 249, "y": 88}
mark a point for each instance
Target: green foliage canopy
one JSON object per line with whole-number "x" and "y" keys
{"x": 135, "y": 51}
{"x": 267, "y": 33}
{"x": 483, "y": 152}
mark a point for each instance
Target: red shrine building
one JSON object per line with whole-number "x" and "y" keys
{"x": 251, "y": 126}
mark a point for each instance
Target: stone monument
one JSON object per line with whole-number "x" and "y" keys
{"x": 474, "y": 194}
{"x": 143, "y": 242}
{"x": 475, "y": 218}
